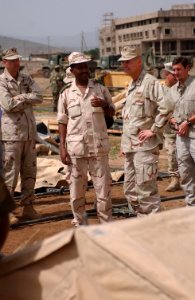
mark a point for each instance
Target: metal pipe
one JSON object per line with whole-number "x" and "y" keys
{"x": 119, "y": 212}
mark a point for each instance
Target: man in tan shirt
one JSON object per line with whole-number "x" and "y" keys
{"x": 84, "y": 143}
{"x": 18, "y": 94}
{"x": 183, "y": 93}
{"x": 144, "y": 114}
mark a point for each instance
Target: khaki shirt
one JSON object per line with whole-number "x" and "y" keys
{"x": 168, "y": 130}
{"x": 184, "y": 98}
{"x": 86, "y": 126}
{"x": 7, "y": 204}
{"x": 144, "y": 108}
{"x": 17, "y": 98}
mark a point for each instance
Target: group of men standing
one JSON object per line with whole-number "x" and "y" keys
{"x": 84, "y": 144}
{"x": 147, "y": 108}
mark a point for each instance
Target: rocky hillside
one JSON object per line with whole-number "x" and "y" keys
{"x": 25, "y": 48}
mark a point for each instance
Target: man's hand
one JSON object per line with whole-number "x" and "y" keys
{"x": 20, "y": 97}
{"x": 145, "y": 134}
{"x": 98, "y": 102}
{"x": 183, "y": 129}
{"x": 173, "y": 124}
{"x": 65, "y": 157}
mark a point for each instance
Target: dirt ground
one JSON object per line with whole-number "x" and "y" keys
{"x": 55, "y": 205}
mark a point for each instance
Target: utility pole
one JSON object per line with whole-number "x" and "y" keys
{"x": 83, "y": 42}
{"x": 48, "y": 44}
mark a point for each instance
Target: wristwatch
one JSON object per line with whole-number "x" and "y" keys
{"x": 189, "y": 123}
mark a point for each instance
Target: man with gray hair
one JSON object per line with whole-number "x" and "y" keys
{"x": 18, "y": 94}
{"x": 84, "y": 143}
{"x": 144, "y": 114}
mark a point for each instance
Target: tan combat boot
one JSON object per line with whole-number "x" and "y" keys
{"x": 29, "y": 212}
{"x": 12, "y": 219}
{"x": 174, "y": 184}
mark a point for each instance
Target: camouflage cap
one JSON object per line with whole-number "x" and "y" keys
{"x": 169, "y": 67}
{"x": 77, "y": 58}
{"x": 10, "y": 54}
{"x": 129, "y": 52}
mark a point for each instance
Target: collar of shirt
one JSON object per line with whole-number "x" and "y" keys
{"x": 10, "y": 78}
{"x": 137, "y": 82}
{"x": 74, "y": 87}
{"x": 181, "y": 87}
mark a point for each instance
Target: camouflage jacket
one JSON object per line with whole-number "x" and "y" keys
{"x": 144, "y": 108}
{"x": 86, "y": 126}
{"x": 17, "y": 98}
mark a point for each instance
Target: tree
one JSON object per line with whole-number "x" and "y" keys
{"x": 94, "y": 53}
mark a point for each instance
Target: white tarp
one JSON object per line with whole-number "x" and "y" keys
{"x": 140, "y": 259}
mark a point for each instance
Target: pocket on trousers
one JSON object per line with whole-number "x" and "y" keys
{"x": 146, "y": 173}
{"x": 75, "y": 145}
{"x": 102, "y": 143}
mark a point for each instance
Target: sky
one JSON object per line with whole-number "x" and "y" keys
{"x": 49, "y": 20}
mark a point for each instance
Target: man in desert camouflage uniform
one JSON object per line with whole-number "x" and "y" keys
{"x": 183, "y": 93}
{"x": 170, "y": 134}
{"x": 18, "y": 94}
{"x": 144, "y": 113}
{"x": 84, "y": 141}
{"x": 56, "y": 80}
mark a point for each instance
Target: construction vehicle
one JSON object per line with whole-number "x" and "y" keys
{"x": 110, "y": 62}
{"x": 155, "y": 63}
{"x": 61, "y": 59}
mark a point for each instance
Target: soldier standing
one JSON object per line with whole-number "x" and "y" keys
{"x": 170, "y": 134}
{"x": 183, "y": 93}
{"x": 84, "y": 143}
{"x": 144, "y": 114}
{"x": 56, "y": 81}
{"x": 18, "y": 94}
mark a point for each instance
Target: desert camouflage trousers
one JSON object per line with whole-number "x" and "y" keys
{"x": 19, "y": 157}
{"x": 140, "y": 182}
{"x": 98, "y": 168}
{"x": 186, "y": 162}
{"x": 170, "y": 146}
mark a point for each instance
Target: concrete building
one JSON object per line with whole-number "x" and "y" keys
{"x": 169, "y": 32}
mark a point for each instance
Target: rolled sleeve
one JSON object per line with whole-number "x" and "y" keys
{"x": 62, "y": 116}
{"x": 164, "y": 110}
{"x": 108, "y": 98}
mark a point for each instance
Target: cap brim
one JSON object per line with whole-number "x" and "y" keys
{"x": 12, "y": 57}
{"x": 127, "y": 58}
{"x": 80, "y": 62}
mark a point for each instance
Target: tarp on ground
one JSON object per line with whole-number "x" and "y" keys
{"x": 51, "y": 172}
{"x": 140, "y": 259}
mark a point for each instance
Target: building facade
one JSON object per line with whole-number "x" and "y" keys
{"x": 168, "y": 32}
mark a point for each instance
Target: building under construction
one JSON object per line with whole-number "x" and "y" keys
{"x": 168, "y": 32}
